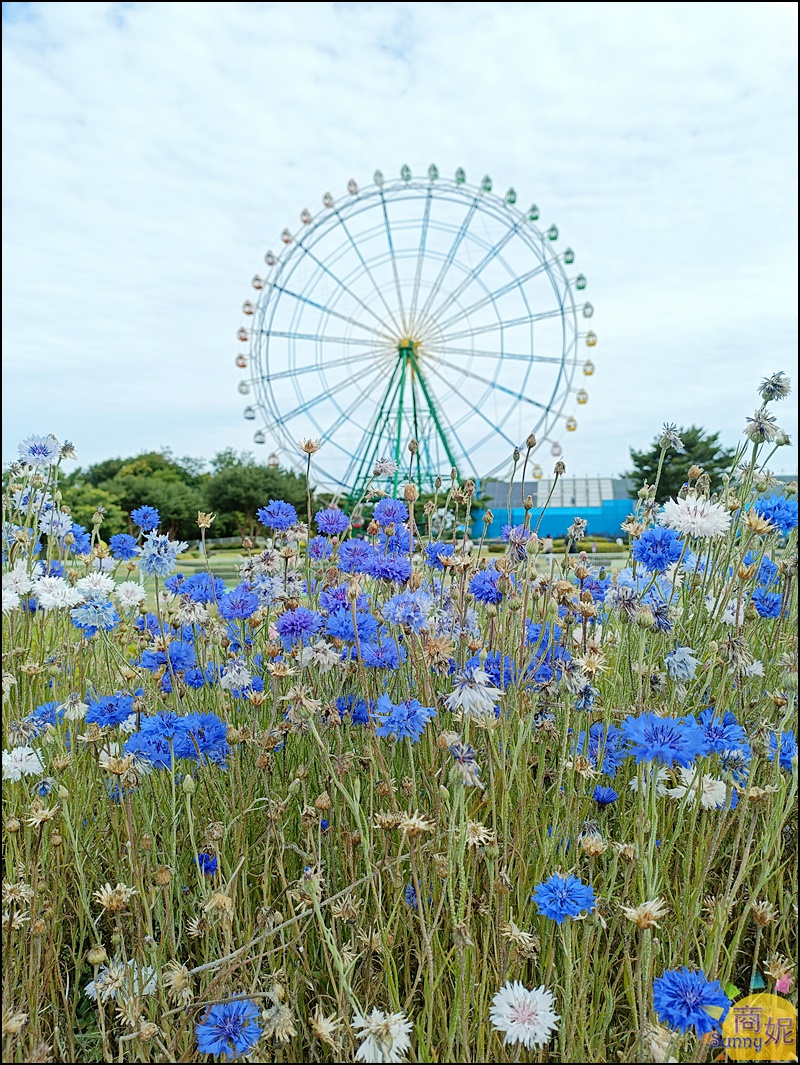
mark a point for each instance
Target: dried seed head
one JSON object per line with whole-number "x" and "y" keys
{"x": 97, "y": 955}
{"x": 764, "y": 913}
{"x": 648, "y": 914}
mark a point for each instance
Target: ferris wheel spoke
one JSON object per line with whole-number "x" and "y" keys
{"x": 498, "y": 353}
{"x": 509, "y": 323}
{"x": 303, "y": 408}
{"x": 478, "y": 270}
{"x": 476, "y": 410}
{"x": 315, "y": 366}
{"x": 329, "y": 310}
{"x": 321, "y": 338}
{"x": 423, "y": 239}
{"x": 492, "y": 384}
{"x": 368, "y": 272}
{"x": 449, "y": 258}
{"x": 492, "y": 297}
{"x": 394, "y": 263}
{"x": 346, "y": 288}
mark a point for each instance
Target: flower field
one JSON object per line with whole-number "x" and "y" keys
{"x": 390, "y": 799}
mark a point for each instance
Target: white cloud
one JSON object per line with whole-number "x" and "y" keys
{"x": 154, "y": 151}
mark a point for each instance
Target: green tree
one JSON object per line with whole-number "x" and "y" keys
{"x": 238, "y": 487}
{"x": 701, "y": 449}
{"x": 84, "y": 499}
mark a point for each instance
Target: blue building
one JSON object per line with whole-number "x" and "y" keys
{"x": 604, "y": 502}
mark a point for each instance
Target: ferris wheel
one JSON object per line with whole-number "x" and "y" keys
{"x": 416, "y": 308}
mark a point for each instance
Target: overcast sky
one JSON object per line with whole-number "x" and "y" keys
{"x": 154, "y": 151}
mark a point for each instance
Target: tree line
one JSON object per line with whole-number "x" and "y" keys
{"x": 234, "y": 485}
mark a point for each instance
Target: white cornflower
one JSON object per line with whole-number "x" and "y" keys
{"x": 762, "y": 427}
{"x": 322, "y": 655}
{"x": 695, "y": 516}
{"x": 55, "y": 523}
{"x": 681, "y": 663}
{"x": 96, "y": 584}
{"x": 728, "y": 611}
{"x": 129, "y": 594}
{"x": 190, "y": 612}
{"x": 384, "y": 468}
{"x": 10, "y": 600}
{"x": 525, "y": 1016}
{"x": 105, "y": 564}
{"x": 473, "y": 694}
{"x": 385, "y": 1036}
{"x": 74, "y": 708}
{"x": 778, "y": 386}
{"x": 22, "y": 762}
{"x": 19, "y": 580}
{"x": 662, "y": 779}
{"x": 236, "y": 675}
{"x": 54, "y": 593}
{"x": 670, "y": 438}
{"x": 755, "y": 669}
{"x": 130, "y": 725}
{"x": 39, "y": 450}
{"x": 119, "y": 977}
{"x": 713, "y": 792}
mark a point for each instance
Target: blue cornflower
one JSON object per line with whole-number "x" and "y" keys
{"x": 39, "y": 450}
{"x": 45, "y": 786}
{"x": 408, "y": 718}
{"x": 722, "y": 732}
{"x": 561, "y": 897}
{"x": 207, "y": 864}
{"x": 601, "y": 746}
{"x": 586, "y": 697}
{"x": 160, "y": 554}
{"x": 483, "y": 586}
{"x": 735, "y": 760}
{"x": 336, "y": 598}
{"x": 683, "y": 998}
{"x": 146, "y": 518}
{"x": 320, "y": 548}
{"x": 786, "y": 749}
{"x": 669, "y": 740}
{"x": 390, "y": 512}
{"x": 296, "y": 625}
{"x": 435, "y": 552}
{"x": 332, "y": 521}
{"x": 340, "y": 625}
{"x": 123, "y": 547}
{"x": 277, "y": 515}
{"x": 409, "y": 608}
{"x": 229, "y": 1029}
{"x": 149, "y": 623}
{"x": 179, "y": 653}
{"x": 238, "y": 604}
{"x": 203, "y": 588}
{"x": 779, "y": 511}
{"x": 37, "y": 723}
{"x": 767, "y": 570}
{"x": 657, "y": 548}
{"x": 681, "y": 663}
{"x": 393, "y": 568}
{"x": 382, "y": 655}
{"x": 357, "y": 708}
{"x": 356, "y": 555}
{"x": 81, "y": 541}
{"x": 604, "y": 796}
{"x": 324, "y": 824}
{"x": 108, "y": 711}
{"x": 174, "y": 583}
{"x": 95, "y": 614}
{"x": 411, "y": 896}
{"x": 399, "y": 543}
{"x": 767, "y": 604}
{"x": 502, "y": 674}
